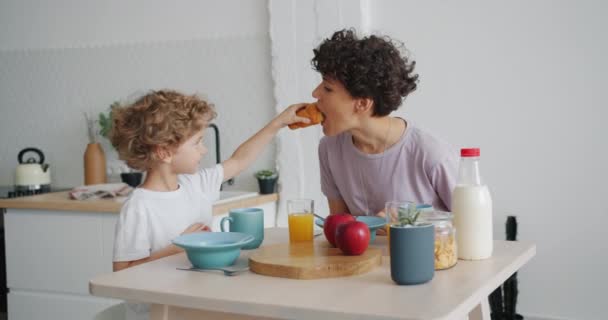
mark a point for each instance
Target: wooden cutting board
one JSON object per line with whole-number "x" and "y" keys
{"x": 312, "y": 260}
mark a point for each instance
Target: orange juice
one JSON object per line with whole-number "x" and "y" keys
{"x": 300, "y": 227}
{"x": 388, "y": 236}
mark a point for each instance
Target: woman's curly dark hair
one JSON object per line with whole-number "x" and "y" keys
{"x": 371, "y": 67}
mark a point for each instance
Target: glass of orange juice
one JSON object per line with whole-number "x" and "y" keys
{"x": 300, "y": 219}
{"x": 391, "y": 210}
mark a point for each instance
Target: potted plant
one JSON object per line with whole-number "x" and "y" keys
{"x": 105, "y": 120}
{"x": 131, "y": 177}
{"x": 267, "y": 180}
{"x": 412, "y": 246}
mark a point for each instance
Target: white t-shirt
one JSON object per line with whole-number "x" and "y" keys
{"x": 150, "y": 220}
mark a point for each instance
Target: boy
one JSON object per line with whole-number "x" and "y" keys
{"x": 162, "y": 134}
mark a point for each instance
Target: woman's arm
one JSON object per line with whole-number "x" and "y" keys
{"x": 337, "y": 206}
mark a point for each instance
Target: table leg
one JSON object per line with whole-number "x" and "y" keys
{"x": 159, "y": 312}
{"x": 481, "y": 311}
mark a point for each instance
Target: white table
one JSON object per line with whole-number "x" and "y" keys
{"x": 175, "y": 294}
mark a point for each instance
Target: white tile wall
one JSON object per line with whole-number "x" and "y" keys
{"x": 44, "y": 91}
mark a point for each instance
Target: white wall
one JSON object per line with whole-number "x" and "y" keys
{"x": 522, "y": 80}
{"x": 296, "y": 27}
{"x": 59, "y": 59}
{"x": 526, "y": 82}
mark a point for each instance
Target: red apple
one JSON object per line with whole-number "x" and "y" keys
{"x": 332, "y": 222}
{"x": 352, "y": 237}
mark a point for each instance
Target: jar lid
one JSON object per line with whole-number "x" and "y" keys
{"x": 442, "y": 220}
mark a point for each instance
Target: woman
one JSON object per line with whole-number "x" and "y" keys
{"x": 368, "y": 157}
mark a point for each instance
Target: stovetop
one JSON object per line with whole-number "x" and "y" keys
{"x": 11, "y": 192}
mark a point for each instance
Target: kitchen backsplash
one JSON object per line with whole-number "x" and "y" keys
{"x": 44, "y": 93}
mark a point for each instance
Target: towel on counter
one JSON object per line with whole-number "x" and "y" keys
{"x": 100, "y": 191}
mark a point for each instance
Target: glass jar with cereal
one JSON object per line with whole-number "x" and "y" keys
{"x": 446, "y": 254}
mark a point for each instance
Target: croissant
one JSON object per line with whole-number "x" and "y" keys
{"x": 311, "y": 112}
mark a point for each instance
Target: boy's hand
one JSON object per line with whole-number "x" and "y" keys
{"x": 289, "y": 116}
{"x": 196, "y": 227}
{"x": 246, "y": 153}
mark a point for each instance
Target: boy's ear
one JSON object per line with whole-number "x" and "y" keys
{"x": 163, "y": 154}
{"x": 364, "y": 105}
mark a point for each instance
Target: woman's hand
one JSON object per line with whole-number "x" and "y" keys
{"x": 381, "y": 231}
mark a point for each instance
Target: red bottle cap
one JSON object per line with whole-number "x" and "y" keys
{"x": 469, "y": 152}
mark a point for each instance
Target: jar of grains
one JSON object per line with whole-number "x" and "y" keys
{"x": 446, "y": 252}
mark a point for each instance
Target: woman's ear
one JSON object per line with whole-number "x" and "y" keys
{"x": 364, "y": 105}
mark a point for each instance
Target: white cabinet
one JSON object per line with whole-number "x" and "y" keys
{"x": 52, "y": 255}
{"x": 41, "y": 305}
{"x": 57, "y": 251}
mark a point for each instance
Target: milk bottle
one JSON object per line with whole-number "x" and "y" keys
{"x": 472, "y": 209}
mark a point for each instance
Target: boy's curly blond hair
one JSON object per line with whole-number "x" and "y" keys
{"x": 161, "y": 119}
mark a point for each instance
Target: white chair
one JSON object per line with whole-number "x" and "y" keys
{"x": 115, "y": 312}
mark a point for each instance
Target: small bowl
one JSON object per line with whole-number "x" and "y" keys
{"x": 372, "y": 222}
{"x": 424, "y": 207}
{"x": 213, "y": 249}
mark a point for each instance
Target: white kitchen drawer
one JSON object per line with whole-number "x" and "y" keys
{"x": 57, "y": 251}
{"x": 25, "y": 305}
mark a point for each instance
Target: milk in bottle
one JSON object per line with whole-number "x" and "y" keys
{"x": 472, "y": 209}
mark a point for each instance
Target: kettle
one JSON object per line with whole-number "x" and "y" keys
{"x": 32, "y": 174}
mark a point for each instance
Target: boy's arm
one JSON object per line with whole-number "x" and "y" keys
{"x": 165, "y": 252}
{"x": 247, "y": 152}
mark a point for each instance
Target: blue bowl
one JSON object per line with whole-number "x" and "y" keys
{"x": 424, "y": 207}
{"x": 372, "y": 222}
{"x": 213, "y": 249}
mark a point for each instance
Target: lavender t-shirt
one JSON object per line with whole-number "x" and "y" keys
{"x": 417, "y": 168}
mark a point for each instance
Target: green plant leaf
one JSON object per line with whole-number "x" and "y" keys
{"x": 415, "y": 216}
{"x": 105, "y": 124}
{"x": 408, "y": 216}
{"x": 265, "y": 174}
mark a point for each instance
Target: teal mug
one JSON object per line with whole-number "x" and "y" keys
{"x": 246, "y": 220}
{"x": 412, "y": 251}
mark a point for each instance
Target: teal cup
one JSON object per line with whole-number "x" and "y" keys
{"x": 246, "y": 220}
{"x": 412, "y": 251}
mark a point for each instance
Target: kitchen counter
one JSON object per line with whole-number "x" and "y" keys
{"x": 61, "y": 201}
{"x": 55, "y": 245}
{"x": 175, "y": 294}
